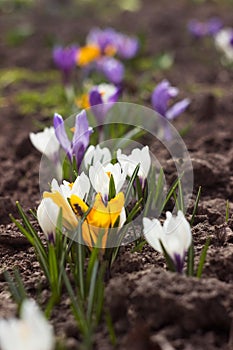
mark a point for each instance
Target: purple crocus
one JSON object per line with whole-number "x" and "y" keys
{"x": 102, "y": 97}
{"x": 127, "y": 47}
{"x": 113, "y": 69}
{"x": 65, "y": 60}
{"x": 200, "y": 29}
{"x": 77, "y": 147}
{"x": 160, "y": 98}
{"x": 105, "y": 39}
{"x": 112, "y": 42}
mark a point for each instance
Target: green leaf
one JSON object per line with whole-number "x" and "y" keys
{"x": 112, "y": 188}
{"x": 190, "y": 262}
{"x": 203, "y": 258}
{"x": 195, "y": 207}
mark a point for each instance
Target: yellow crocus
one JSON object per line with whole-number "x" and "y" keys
{"x": 100, "y": 218}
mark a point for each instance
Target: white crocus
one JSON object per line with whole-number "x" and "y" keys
{"x": 47, "y": 215}
{"x": 80, "y": 187}
{"x": 106, "y": 91}
{"x": 97, "y": 154}
{"x": 175, "y": 235}
{"x": 223, "y": 43}
{"x": 100, "y": 177}
{"x": 47, "y": 143}
{"x": 137, "y": 156}
{"x": 31, "y": 332}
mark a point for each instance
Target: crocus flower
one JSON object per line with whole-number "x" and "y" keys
{"x": 80, "y": 141}
{"x": 47, "y": 143}
{"x": 100, "y": 178}
{"x": 103, "y": 95}
{"x": 161, "y": 96}
{"x": 65, "y": 60}
{"x": 200, "y": 29}
{"x": 137, "y": 156}
{"x": 100, "y": 218}
{"x": 31, "y": 332}
{"x": 80, "y": 187}
{"x": 96, "y": 154}
{"x": 47, "y": 216}
{"x": 127, "y": 47}
{"x": 105, "y": 39}
{"x": 175, "y": 235}
{"x": 112, "y": 42}
{"x": 112, "y": 69}
{"x": 224, "y": 42}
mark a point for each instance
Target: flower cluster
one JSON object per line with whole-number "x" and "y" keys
{"x": 97, "y": 199}
{"x": 98, "y": 54}
{"x": 223, "y": 37}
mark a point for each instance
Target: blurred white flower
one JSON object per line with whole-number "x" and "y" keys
{"x": 100, "y": 178}
{"x": 97, "y": 154}
{"x": 137, "y": 156}
{"x": 46, "y": 142}
{"x": 175, "y": 235}
{"x": 31, "y": 332}
{"x": 224, "y": 42}
{"x": 47, "y": 215}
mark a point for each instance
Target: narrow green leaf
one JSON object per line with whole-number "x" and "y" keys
{"x": 195, "y": 207}
{"x": 203, "y": 257}
{"x": 190, "y": 261}
{"x": 131, "y": 183}
{"x": 112, "y": 188}
{"x": 92, "y": 290}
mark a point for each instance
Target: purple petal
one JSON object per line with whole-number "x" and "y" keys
{"x": 161, "y": 96}
{"x": 102, "y": 38}
{"x": 64, "y": 58}
{"x": 214, "y": 25}
{"x": 61, "y": 135}
{"x": 231, "y": 41}
{"x": 81, "y": 137}
{"x": 197, "y": 28}
{"x": 112, "y": 68}
{"x": 179, "y": 262}
{"x": 95, "y": 97}
{"x": 127, "y": 47}
{"x": 177, "y": 109}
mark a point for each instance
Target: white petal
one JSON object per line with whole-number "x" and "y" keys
{"x": 153, "y": 233}
{"x": 81, "y": 186}
{"x": 47, "y": 215}
{"x": 46, "y": 142}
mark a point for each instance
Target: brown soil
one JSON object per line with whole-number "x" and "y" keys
{"x": 150, "y": 307}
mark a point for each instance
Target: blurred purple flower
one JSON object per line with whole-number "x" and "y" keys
{"x": 200, "y": 29}
{"x": 65, "y": 60}
{"x": 102, "y": 38}
{"x": 112, "y": 69}
{"x": 81, "y": 137}
{"x": 127, "y": 47}
{"x": 103, "y": 97}
{"x": 160, "y": 98}
{"x": 112, "y": 42}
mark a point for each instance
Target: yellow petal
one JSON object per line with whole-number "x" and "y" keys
{"x": 87, "y": 54}
{"x": 78, "y": 205}
{"x": 70, "y": 220}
